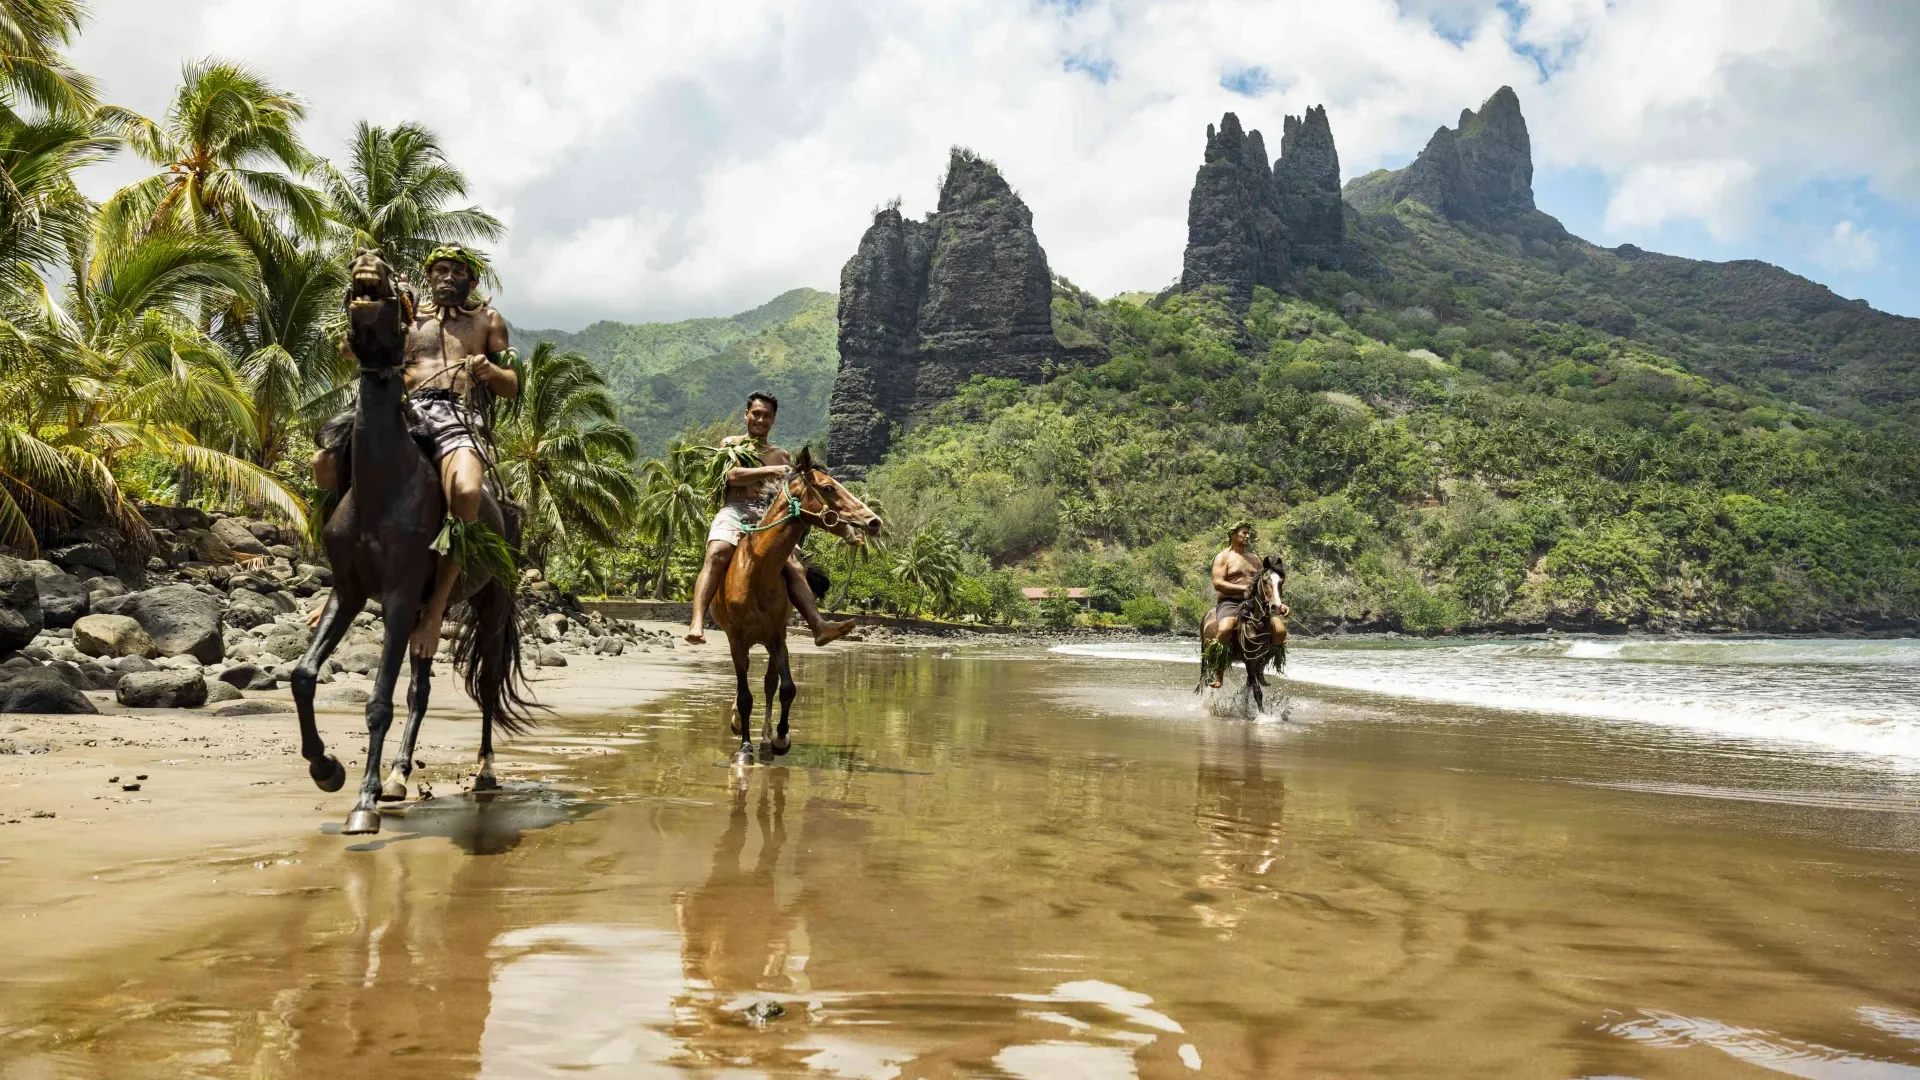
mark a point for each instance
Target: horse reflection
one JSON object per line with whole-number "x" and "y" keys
{"x": 1241, "y": 806}
{"x": 733, "y": 930}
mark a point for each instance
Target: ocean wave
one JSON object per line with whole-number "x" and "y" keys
{"x": 1865, "y": 704}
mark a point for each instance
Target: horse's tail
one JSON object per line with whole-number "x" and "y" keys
{"x": 487, "y": 653}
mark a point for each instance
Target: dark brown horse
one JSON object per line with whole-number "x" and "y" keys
{"x": 1253, "y": 642}
{"x": 379, "y": 540}
{"x": 753, "y": 607}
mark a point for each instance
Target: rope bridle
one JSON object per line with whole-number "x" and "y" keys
{"x": 1255, "y": 632}
{"x": 828, "y": 518}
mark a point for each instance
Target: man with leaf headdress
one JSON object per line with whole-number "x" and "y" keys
{"x": 457, "y": 358}
{"x": 1234, "y": 571}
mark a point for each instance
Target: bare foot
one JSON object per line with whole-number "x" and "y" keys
{"x": 426, "y": 639}
{"x": 696, "y": 637}
{"x": 1215, "y": 684}
{"x": 832, "y": 631}
{"x": 313, "y": 617}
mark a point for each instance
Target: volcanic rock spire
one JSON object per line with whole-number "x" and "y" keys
{"x": 925, "y": 306}
{"x": 1235, "y": 237}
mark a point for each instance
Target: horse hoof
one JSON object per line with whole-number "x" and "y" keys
{"x": 744, "y": 755}
{"x": 393, "y": 791}
{"x": 781, "y": 744}
{"x": 485, "y": 782}
{"x": 362, "y": 822}
{"x": 328, "y": 774}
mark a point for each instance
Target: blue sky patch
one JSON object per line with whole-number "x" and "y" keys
{"x": 1251, "y": 81}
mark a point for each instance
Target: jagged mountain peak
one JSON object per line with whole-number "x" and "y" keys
{"x": 1480, "y": 171}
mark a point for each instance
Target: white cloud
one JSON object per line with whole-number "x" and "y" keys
{"x": 661, "y": 160}
{"x": 1718, "y": 194}
{"x": 1849, "y": 247}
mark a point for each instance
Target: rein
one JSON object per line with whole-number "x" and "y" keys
{"x": 828, "y": 519}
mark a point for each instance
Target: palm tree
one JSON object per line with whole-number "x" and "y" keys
{"x": 32, "y": 68}
{"x": 124, "y": 369}
{"x": 564, "y": 456}
{"x": 930, "y": 562}
{"x": 230, "y": 159}
{"x": 393, "y": 195}
{"x": 678, "y": 496}
{"x": 285, "y": 338}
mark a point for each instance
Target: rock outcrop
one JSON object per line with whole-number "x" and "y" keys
{"x": 1306, "y": 179}
{"x": 1480, "y": 172}
{"x": 21, "y": 619}
{"x": 1235, "y": 236}
{"x": 925, "y": 306}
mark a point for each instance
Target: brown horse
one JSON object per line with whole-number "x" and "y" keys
{"x": 753, "y": 607}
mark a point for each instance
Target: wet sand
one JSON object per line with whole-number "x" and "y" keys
{"x": 978, "y": 861}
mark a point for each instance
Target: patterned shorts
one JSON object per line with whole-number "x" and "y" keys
{"x": 450, "y": 425}
{"x": 730, "y": 524}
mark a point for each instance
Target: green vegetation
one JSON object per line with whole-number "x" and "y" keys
{"x": 1431, "y": 456}
{"x": 674, "y": 376}
{"x": 181, "y": 341}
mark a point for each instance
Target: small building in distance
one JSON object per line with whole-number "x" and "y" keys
{"x": 1078, "y": 596}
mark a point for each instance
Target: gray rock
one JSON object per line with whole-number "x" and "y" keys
{"x": 319, "y": 575}
{"x": 283, "y": 551}
{"x": 249, "y": 609}
{"x": 234, "y": 533}
{"x": 249, "y": 677}
{"x": 254, "y": 707}
{"x": 1235, "y": 239}
{"x": 1480, "y": 171}
{"x": 246, "y": 648}
{"x": 549, "y": 657}
{"x": 162, "y": 690}
{"x": 21, "y": 618}
{"x": 290, "y": 641}
{"x": 218, "y": 692}
{"x": 179, "y": 618}
{"x": 103, "y": 587}
{"x": 609, "y": 646}
{"x": 134, "y": 665}
{"x": 83, "y": 557}
{"x": 42, "y": 691}
{"x": 360, "y": 659}
{"x": 113, "y": 635}
{"x": 1307, "y": 179}
{"x": 346, "y": 695}
{"x": 98, "y": 676}
{"x": 69, "y": 673}
{"x": 925, "y": 306}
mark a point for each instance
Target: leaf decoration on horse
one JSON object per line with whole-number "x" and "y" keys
{"x": 475, "y": 544}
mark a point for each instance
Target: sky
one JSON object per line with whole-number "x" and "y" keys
{"x": 670, "y": 160}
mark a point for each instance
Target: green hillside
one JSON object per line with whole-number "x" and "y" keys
{"x": 1502, "y": 431}
{"x": 672, "y": 376}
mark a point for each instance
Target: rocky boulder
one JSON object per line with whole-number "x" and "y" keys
{"x": 1235, "y": 238}
{"x": 42, "y": 691}
{"x": 162, "y": 690}
{"x": 85, "y": 558}
{"x": 113, "y": 635}
{"x": 247, "y": 609}
{"x": 234, "y": 533}
{"x": 179, "y": 618}
{"x": 218, "y": 692}
{"x": 21, "y": 618}
{"x": 63, "y": 598}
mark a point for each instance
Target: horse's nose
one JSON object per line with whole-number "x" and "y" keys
{"x": 873, "y": 526}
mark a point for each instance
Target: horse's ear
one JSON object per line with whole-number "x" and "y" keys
{"x": 805, "y": 461}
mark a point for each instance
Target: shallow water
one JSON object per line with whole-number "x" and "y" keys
{"x": 996, "y": 863}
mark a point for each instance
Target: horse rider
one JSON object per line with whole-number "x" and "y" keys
{"x": 457, "y": 356}
{"x": 1234, "y": 572}
{"x": 750, "y": 490}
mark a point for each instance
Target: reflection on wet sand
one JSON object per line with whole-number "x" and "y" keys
{"x": 978, "y": 867}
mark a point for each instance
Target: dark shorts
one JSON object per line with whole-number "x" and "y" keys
{"x": 1225, "y": 609}
{"x": 449, "y": 425}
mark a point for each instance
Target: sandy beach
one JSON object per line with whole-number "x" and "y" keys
{"x": 156, "y": 804}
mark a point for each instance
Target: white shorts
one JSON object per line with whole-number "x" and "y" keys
{"x": 730, "y": 524}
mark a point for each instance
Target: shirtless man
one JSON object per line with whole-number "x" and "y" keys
{"x": 750, "y": 491}
{"x": 451, "y": 345}
{"x": 1234, "y": 571}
